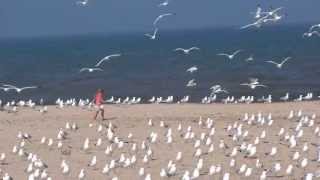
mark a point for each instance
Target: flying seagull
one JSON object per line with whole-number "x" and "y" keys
{"x": 230, "y": 56}
{"x": 216, "y": 89}
{"x": 191, "y": 83}
{"x": 192, "y": 69}
{"x": 19, "y": 90}
{"x": 160, "y": 17}
{"x": 107, "y": 58}
{"x": 83, "y": 3}
{"x": 250, "y": 58}
{"x": 154, "y": 35}
{"x": 90, "y": 69}
{"x": 187, "y": 51}
{"x": 279, "y": 65}
{"x": 254, "y": 82}
{"x": 164, "y": 3}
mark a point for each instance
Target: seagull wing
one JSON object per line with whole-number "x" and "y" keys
{"x": 148, "y": 35}
{"x": 272, "y": 62}
{"x": 276, "y": 10}
{"x": 179, "y": 49}
{"x": 8, "y": 85}
{"x": 285, "y": 60}
{"x": 223, "y": 54}
{"x": 252, "y": 24}
{"x": 245, "y": 84}
{"x": 83, "y": 69}
{"x": 155, "y": 31}
{"x": 97, "y": 69}
{"x": 160, "y": 17}
{"x": 316, "y": 32}
{"x": 194, "y": 48}
{"x": 253, "y": 80}
{"x": 29, "y": 87}
{"x": 314, "y": 26}
{"x": 235, "y": 53}
{"x": 261, "y": 85}
{"x": 107, "y": 58}
{"x": 100, "y": 62}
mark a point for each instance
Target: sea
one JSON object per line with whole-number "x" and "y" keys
{"x": 152, "y": 68}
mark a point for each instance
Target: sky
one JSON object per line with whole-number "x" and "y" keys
{"x": 32, "y": 18}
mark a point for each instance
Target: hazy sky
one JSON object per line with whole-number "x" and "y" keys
{"x": 64, "y": 17}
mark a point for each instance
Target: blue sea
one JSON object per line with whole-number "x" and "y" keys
{"x": 151, "y": 68}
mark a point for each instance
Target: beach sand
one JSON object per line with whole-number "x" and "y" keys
{"x": 134, "y": 119}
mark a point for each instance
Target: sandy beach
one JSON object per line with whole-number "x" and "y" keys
{"x": 134, "y": 119}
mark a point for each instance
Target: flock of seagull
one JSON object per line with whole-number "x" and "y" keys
{"x": 261, "y": 17}
{"x": 251, "y": 146}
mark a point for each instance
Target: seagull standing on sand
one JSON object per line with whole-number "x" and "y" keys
{"x": 254, "y": 82}
{"x": 107, "y": 58}
{"x": 160, "y": 17}
{"x": 90, "y": 69}
{"x": 187, "y": 51}
{"x": 154, "y": 35}
{"x": 230, "y": 56}
{"x": 279, "y": 65}
{"x": 192, "y": 69}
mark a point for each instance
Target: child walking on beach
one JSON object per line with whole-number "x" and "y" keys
{"x": 98, "y": 101}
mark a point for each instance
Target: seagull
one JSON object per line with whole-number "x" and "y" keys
{"x": 216, "y": 89}
{"x": 192, "y": 69}
{"x": 187, "y": 51}
{"x": 107, "y": 58}
{"x": 160, "y": 17}
{"x": 154, "y": 35}
{"x": 164, "y": 3}
{"x": 230, "y": 56}
{"x": 253, "y": 83}
{"x": 279, "y": 65}
{"x": 90, "y": 69}
{"x": 19, "y": 90}
{"x": 83, "y": 3}
{"x": 285, "y": 98}
{"x": 191, "y": 83}
{"x": 250, "y": 58}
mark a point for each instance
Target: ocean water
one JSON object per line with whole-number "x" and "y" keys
{"x": 151, "y": 68}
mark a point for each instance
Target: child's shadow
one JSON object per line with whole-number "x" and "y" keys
{"x": 109, "y": 119}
